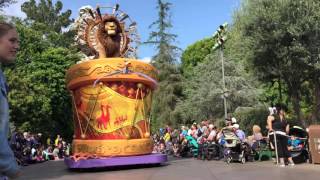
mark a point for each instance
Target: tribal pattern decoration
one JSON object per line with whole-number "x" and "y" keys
{"x": 112, "y": 34}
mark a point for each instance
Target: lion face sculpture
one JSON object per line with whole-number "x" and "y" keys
{"x": 105, "y": 36}
{"x": 111, "y": 28}
{"x": 109, "y": 36}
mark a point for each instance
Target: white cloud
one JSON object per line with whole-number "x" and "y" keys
{"x": 146, "y": 59}
{"x": 15, "y": 9}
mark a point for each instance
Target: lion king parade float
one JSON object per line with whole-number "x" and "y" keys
{"x": 111, "y": 94}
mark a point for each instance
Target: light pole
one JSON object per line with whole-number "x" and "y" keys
{"x": 221, "y": 37}
{"x": 223, "y": 83}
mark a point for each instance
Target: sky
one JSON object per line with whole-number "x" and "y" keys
{"x": 192, "y": 20}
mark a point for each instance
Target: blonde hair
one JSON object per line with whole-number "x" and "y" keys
{"x": 256, "y": 129}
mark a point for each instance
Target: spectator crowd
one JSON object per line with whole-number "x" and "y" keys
{"x": 32, "y": 148}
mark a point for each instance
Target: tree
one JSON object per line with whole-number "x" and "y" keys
{"x": 169, "y": 90}
{"x": 39, "y": 101}
{"x": 279, "y": 41}
{"x": 196, "y": 53}
{"x": 50, "y": 20}
{"x": 5, "y": 3}
{"x": 48, "y": 14}
{"x": 203, "y": 91}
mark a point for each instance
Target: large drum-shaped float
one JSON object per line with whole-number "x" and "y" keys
{"x": 111, "y": 98}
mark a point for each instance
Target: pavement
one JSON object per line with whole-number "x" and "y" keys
{"x": 176, "y": 169}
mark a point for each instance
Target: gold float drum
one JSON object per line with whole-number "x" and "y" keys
{"x": 111, "y": 106}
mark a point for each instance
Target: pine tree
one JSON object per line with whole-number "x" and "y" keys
{"x": 169, "y": 90}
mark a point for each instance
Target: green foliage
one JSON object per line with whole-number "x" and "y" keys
{"x": 196, "y": 53}
{"x": 48, "y": 14}
{"x": 203, "y": 91}
{"x": 166, "y": 98}
{"x": 249, "y": 116}
{"x": 39, "y": 101}
{"x": 161, "y": 38}
{"x": 48, "y": 19}
{"x": 280, "y": 40}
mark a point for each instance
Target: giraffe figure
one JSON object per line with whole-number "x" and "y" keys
{"x": 104, "y": 119}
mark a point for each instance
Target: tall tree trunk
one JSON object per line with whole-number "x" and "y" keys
{"x": 296, "y": 105}
{"x": 280, "y": 90}
{"x": 316, "y": 107}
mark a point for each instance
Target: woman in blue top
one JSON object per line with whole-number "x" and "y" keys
{"x": 9, "y": 45}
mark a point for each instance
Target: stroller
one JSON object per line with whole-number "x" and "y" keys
{"x": 212, "y": 150}
{"x": 262, "y": 150}
{"x": 192, "y": 146}
{"x": 299, "y": 153}
{"x": 235, "y": 150}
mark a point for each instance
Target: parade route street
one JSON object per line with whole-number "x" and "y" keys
{"x": 177, "y": 169}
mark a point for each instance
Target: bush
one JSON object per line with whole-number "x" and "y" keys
{"x": 249, "y": 116}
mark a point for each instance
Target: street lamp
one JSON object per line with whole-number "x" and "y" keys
{"x": 221, "y": 37}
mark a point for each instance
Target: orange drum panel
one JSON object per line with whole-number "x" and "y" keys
{"x": 100, "y": 113}
{"x": 87, "y": 72}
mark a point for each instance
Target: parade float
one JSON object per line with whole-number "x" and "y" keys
{"x": 111, "y": 93}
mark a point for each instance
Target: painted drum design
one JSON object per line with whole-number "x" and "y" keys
{"x": 111, "y": 100}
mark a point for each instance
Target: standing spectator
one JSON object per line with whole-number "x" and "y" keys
{"x": 57, "y": 140}
{"x": 167, "y": 136}
{"x": 9, "y": 45}
{"x": 175, "y": 136}
{"x": 39, "y": 138}
{"x": 49, "y": 142}
{"x": 277, "y": 124}
{"x": 167, "y": 139}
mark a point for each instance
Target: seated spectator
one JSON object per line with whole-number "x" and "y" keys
{"x": 68, "y": 149}
{"x": 162, "y": 148}
{"x": 256, "y": 137}
{"x": 212, "y": 133}
{"x": 233, "y": 120}
{"x": 228, "y": 122}
{"x": 241, "y": 135}
{"x": 194, "y": 131}
{"x": 48, "y": 153}
{"x": 56, "y": 153}
{"x": 294, "y": 143}
{"x": 175, "y": 136}
{"x": 176, "y": 150}
{"x": 220, "y": 138}
{"x": 156, "y": 148}
{"x": 184, "y": 131}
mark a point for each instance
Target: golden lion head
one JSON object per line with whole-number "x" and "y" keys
{"x": 111, "y": 25}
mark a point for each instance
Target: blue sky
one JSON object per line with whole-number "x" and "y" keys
{"x": 192, "y": 19}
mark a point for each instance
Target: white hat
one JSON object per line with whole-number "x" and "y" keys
{"x": 236, "y": 126}
{"x": 233, "y": 120}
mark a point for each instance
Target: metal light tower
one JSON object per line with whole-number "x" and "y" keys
{"x": 221, "y": 37}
